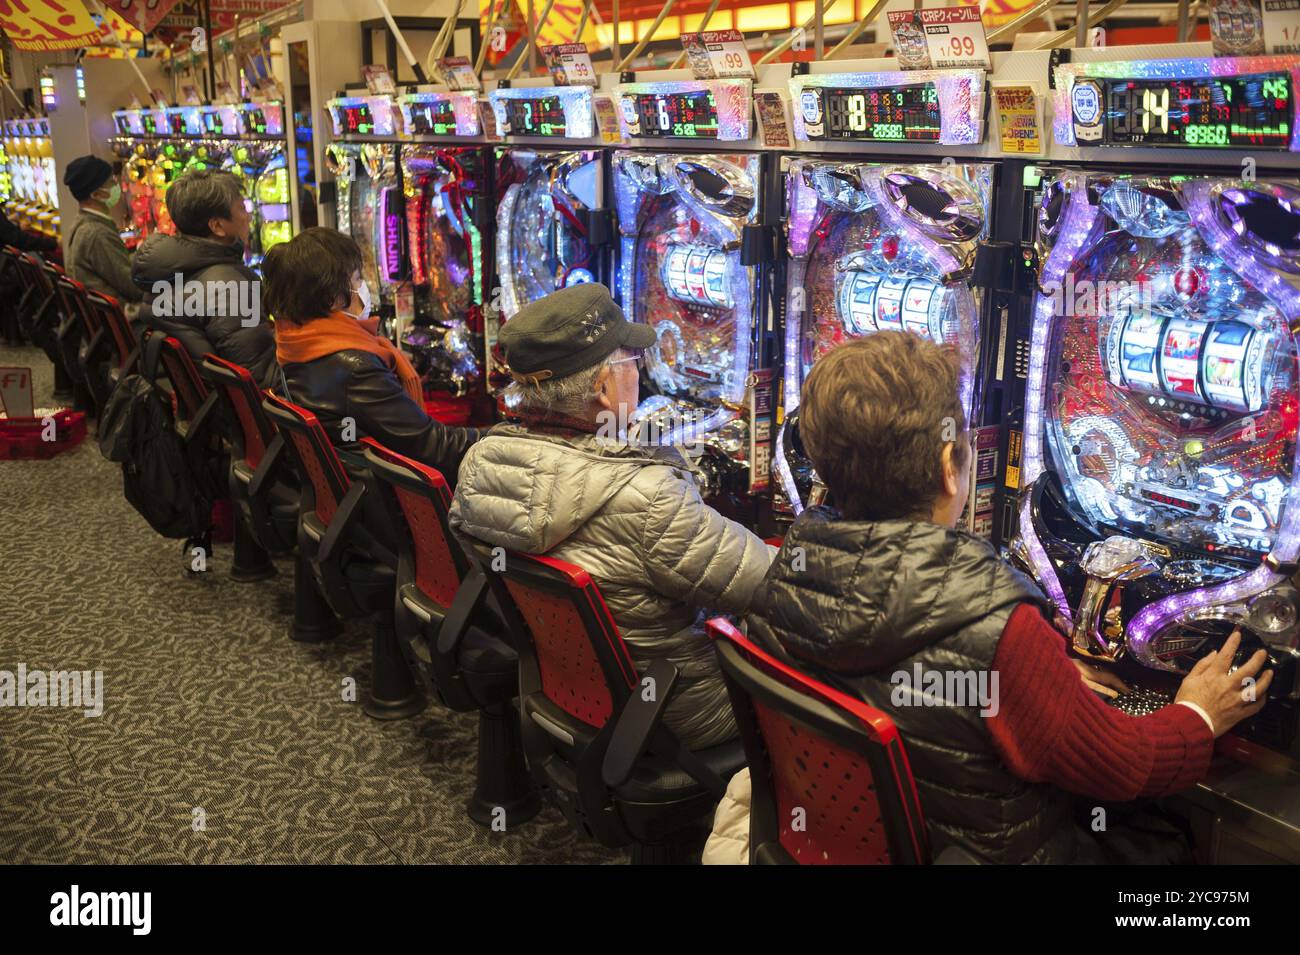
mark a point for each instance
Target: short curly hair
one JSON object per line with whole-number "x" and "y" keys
{"x": 875, "y": 415}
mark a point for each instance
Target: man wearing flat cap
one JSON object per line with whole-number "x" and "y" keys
{"x": 96, "y": 255}
{"x": 561, "y": 484}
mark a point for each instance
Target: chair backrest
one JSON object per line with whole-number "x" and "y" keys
{"x": 830, "y": 776}
{"x": 566, "y": 639}
{"x": 73, "y": 297}
{"x": 187, "y": 384}
{"x": 36, "y": 275}
{"x": 438, "y": 562}
{"x": 313, "y": 456}
{"x": 244, "y": 400}
{"x": 110, "y": 312}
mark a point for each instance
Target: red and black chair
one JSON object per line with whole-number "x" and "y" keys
{"x": 125, "y": 346}
{"x": 43, "y": 322}
{"x": 263, "y": 487}
{"x": 593, "y": 727}
{"x": 84, "y": 337}
{"x": 13, "y": 288}
{"x": 830, "y": 776}
{"x": 451, "y": 634}
{"x": 341, "y": 560}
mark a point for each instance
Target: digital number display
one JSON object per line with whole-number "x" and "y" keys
{"x": 1236, "y": 111}
{"x": 256, "y": 120}
{"x": 897, "y": 114}
{"x": 149, "y": 122}
{"x": 436, "y": 117}
{"x": 123, "y": 123}
{"x": 358, "y": 120}
{"x": 213, "y": 122}
{"x": 536, "y": 117}
{"x": 692, "y": 115}
{"x": 177, "y": 122}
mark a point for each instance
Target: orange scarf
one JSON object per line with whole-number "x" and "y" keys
{"x": 341, "y": 332}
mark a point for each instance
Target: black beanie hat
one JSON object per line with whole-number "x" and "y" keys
{"x": 85, "y": 174}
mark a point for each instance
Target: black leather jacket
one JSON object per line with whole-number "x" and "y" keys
{"x": 358, "y": 385}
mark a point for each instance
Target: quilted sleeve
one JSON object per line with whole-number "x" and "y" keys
{"x": 696, "y": 555}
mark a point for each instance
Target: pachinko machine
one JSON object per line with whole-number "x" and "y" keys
{"x": 550, "y": 230}
{"x": 690, "y": 264}
{"x": 875, "y": 246}
{"x": 369, "y": 205}
{"x": 34, "y": 184}
{"x": 1157, "y": 507}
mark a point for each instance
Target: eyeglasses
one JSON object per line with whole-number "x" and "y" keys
{"x": 619, "y": 361}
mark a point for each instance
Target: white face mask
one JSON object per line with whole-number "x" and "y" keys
{"x": 363, "y": 293}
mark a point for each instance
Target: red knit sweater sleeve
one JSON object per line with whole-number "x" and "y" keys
{"x": 1051, "y": 728}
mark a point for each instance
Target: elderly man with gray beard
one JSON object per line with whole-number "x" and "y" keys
{"x": 565, "y": 484}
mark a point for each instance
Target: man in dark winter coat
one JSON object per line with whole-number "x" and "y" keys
{"x": 197, "y": 286}
{"x": 883, "y": 595}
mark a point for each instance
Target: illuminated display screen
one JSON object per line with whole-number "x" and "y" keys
{"x": 149, "y": 120}
{"x": 692, "y": 115}
{"x": 213, "y": 122}
{"x": 897, "y": 114}
{"x": 123, "y": 122}
{"x": 433, "y": 117}
{"x": 358, "y": 120}
{"x": 537, "y": 117}
{"x": 176, "y": 122}
{"x": 256, "y": 120}
{"x": 1228, "y": 112}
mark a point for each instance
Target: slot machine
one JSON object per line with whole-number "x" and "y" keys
{"x": 136, "y": 176}
{"x": 260, "y": 161}
{"x": 884, "y": 226}
{"x": 369, "y": 205}
{"x": 47, "y": 220}
{"x": 551, "y": 221}
{"x": 1157, "y": 505}
{"x": 691, "y": 261}
{"x": 445, "y": 203}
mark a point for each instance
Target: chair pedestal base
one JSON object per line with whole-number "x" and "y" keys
{"x": 503, "y": 793}
{"x": 313, "y": 620}
{"x": 393, "y": 694}
{"x": 252, "y": 562}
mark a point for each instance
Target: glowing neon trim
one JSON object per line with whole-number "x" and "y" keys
{"x": 734, "y": 100}
{"x": 1198, "y": 68}
{"x": 463, "y": 105}
{"x": 381, "y": 112}
{"x": 961, "y": 98}
{"x": 576, "y": 101}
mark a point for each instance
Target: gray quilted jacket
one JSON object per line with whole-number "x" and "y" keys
{"x": 634, "y": 520}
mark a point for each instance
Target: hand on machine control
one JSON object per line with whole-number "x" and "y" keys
{"x": 1221, "y": 691}
{"x": 1099, "y": 679}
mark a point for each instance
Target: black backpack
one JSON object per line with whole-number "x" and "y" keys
{"x": 137, "y": 430}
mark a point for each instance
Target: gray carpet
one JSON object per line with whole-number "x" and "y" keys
{"x": 221, "y": 741}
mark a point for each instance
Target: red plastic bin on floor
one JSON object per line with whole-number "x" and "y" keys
{"x": 21, "y": 438}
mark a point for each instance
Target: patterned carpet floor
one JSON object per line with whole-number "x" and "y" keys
{"x": 221, "y": 741}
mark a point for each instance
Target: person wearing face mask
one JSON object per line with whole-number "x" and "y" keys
{"x": 336, "y": 364}
{"x": 198, "y": 288}
{"x": 96, "y": 256}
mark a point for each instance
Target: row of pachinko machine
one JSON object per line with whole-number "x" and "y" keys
{"x": 29, "y": 185}
{"x": 1125, "y": 300}
{"x": 158, "y": 144}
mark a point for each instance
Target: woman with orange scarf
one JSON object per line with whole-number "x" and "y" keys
{"x": 336, "y": 365}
